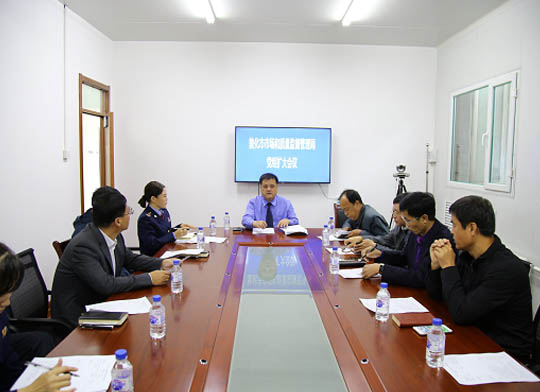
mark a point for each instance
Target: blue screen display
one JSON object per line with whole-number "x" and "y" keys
{"x": 293, "y": 154}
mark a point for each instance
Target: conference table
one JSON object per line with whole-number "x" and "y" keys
{"x": 263, "y": 313}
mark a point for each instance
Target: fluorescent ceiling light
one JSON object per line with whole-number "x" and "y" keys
{"x": 210, "y": 15}
{"x": 358, "y": 10}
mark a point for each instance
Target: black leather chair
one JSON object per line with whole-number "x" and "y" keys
{"x": 30, "y": 302}
{"x": 339, "y": 216}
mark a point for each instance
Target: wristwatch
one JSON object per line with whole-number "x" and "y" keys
{"x": 381, "y": 268}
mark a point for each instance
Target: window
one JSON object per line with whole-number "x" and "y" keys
{"x": 483, "y": 128}
{"x": 95, "y": 138}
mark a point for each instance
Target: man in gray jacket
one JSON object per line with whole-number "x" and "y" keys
{"x": 362, "y": 218}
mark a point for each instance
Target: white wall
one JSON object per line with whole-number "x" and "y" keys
{"x": 506, "y": 40}
{"x": 177, "y": 105}
{"x": 40, "y": 193}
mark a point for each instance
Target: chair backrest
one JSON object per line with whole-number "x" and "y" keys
{"x": 339, "y": 215}
{"x": 536, "y": 347}
{"x": 30, "y": 299}
{"x": 59, "y": 247}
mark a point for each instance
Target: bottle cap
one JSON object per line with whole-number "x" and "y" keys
{"x": 226, "y": 213}
{"x": 176, "y": 262}
{"x": 334, "y": 248}
{"x": 331, "y": 218}
{"x": 156, "y": 298}
{"x": 326, "y": 226}
{"x": 437, "y": 322}
{"x": 200, "y": 228}
{"x": 213, "y": 217}
{"x": 384, "y": 285}
{"x": 120, "y": 354}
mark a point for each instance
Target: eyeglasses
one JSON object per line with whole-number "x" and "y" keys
{"x": 130, "y": 211}
{"x": 408, "y": 221}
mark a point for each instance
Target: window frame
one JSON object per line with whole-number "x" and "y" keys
{"x": 508, "y": 188}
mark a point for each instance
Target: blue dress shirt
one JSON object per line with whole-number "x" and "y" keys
{"x": 256, "y": 210}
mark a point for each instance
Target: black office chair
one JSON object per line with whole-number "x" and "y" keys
{"x": 534, "y": 365}
{"x": 30, "y": 302}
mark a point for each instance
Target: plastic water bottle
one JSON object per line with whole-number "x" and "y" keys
{"x": 331, "y": 226}
{"x": 158, "y": 327}
{"x": 212, "y": 226}
{"x": 177, "y": 283}
{"x": 382, "y": 303}
{"x": 122, "y": 373}
{"x": 227, "y": 221}
{"x": 435, "y": 345}
{"x": 334, "y": 261}
{"x": 200, "y": 238}
{"x": 325, "y": 236}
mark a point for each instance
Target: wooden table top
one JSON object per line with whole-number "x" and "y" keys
{"x": 207, "y": 307}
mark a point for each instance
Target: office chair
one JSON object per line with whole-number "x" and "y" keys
{"x": 30, "y": 302}
{"x": 59, "y": 247}
{"x": 339, "y": 216}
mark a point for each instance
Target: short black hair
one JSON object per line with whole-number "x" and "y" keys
{"x": 418, "y": 203}
{"x": 108, "y": 204}
{"x": 399, "y": 197}
{"x": 11, "y": 270}
{"x": 153, "y": 188}
{"x": 268, "y": 176}
{"x": 475, "y": 209}
{"x": 351, "y": 195}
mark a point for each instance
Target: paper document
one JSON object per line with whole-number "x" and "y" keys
{"x": 294, "y": 229}
{"x": 132, "y": 306}
{"x": 207, "y": 240}
{"x": 474, "y": 369}
{"x": 94, "y": 372}
{"x": 341, "y": 233}
{"x": 342, "y": 251}
{"x": 268, "y": 230}
{"x": 397, "y": 305}
{"x": 332, "y": 238}
{"x": 181, "y": 252}
{"x": 354, "y": 273}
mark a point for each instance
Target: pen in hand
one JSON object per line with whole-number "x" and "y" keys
{"x": 46, "y": 367}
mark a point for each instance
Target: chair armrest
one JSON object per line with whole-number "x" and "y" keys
{"x": 55, "y": 327}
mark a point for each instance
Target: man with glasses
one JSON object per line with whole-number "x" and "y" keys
{"x": 90, "y": 268}
{"x": 392, "y": 243}
{"x": 362, "y": 218}
{"x": 410, "y": 266}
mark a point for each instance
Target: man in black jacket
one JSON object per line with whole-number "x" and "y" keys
{"x": 486, "y": 284}
{"x": 411, "y": 265}
{"x": 89, "y": 270}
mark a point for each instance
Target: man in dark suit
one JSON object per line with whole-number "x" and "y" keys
{"x": 90, "y": 268}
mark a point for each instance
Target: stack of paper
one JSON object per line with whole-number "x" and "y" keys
{"x": 132, "y": 306}
{"x": 268, "y": 230}
{"x": 342, "y": 251}
{"x": 181, "y": 252}
{"x": 294, "y": 229}
{"x": 354, "y": 273}
{"x": 397, "y": 305}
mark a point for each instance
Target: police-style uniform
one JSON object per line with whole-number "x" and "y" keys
{"x": 154, "y": 230}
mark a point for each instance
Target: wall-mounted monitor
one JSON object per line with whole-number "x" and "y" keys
{"x": 298, "y": 155}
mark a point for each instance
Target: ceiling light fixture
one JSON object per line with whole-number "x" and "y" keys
{"x": 210, "y": 14}
{"x": 346, "y": 20}
{"x": 358, "y": 10}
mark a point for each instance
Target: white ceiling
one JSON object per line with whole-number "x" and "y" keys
{"x": 393, "y": 22}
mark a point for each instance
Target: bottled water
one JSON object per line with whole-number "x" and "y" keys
{"x": 334, "y": 261}
{"x": 383, "y": 303}
{"x": 212, "y": 226}
{"x": 226, "y": 221}
{"x": 158, "y": 327}
{"x": 122, "y": 373}
{"x": 331, "y": 226}
{"x": 435, "y": 345}
{"x": 325, "y": 236}
{"x": 200, "y": 238}
{"x": 177, "y": 283}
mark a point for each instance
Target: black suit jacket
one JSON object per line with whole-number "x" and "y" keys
{"x": 84, "y": 274}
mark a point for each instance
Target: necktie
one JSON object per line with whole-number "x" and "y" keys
{"x": 162, "y": 215}
{"x": 269, "y": 217}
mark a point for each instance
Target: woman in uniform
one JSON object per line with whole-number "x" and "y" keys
{"x": 154, "y": 223}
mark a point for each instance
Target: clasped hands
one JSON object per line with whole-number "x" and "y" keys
{"x": 442, "y": 255}
{"x": 262, "y": 224}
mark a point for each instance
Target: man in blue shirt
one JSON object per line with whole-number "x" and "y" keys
{"x": 269, "y": 209}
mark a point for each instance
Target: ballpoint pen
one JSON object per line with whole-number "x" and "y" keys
{"x": 46, "y": 367}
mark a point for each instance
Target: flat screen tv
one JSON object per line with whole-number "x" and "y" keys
{"x": 294, "y": 154}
